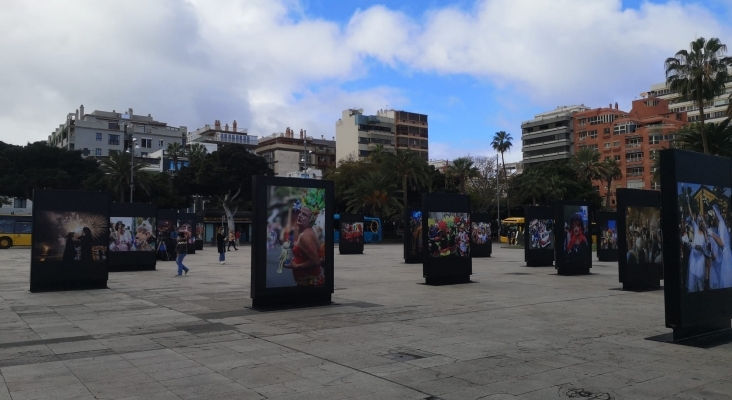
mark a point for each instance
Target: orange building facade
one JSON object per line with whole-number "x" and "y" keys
{"x": 631, "y": 138}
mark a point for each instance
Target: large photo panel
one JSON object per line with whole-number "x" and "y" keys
{"x": 480, "y": 236}
{"x": 133, "y": 235}
{"x": 350, "y": 235}
{"x": 446, "y": 231}
{"x": 607, "y": 235}
{"x": 70, "y": 240}
{"x": 539, "y": 236}
{"x": 292, "y": 255}
{"x": 413, "y": 240}
{"x": 573, "y": 238}
{"x": 640, "y": 238}
{"x": 187, "y": 228}
{"x": 167, "y": 234}
{"x": 695, "y": 197}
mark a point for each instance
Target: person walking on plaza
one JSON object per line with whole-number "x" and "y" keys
{"x": 232, "y": 242}
{"x": 220, "y": 238}
{"x": 182, "y": 250}
{"x": 238, "y": 236}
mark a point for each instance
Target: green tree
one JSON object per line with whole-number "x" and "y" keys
{"x": 610, "y": 171}
{"x": 116, "y": 169}
{"x": 463, "y": 170}
{"x": 195, "y": 152}
{"x": 175, "y": 151}
{"x": 377, "y": 154}
{"x": 719, "y": 138}
{"x": 586, "y": 163}
{"x": 373, "y": 194}
{"x": 482, "y": 189}
{"x": 699, "y": 74}
{"x": 406, "y": 166}
{"x": 502, "y": 142}
{"x": 225, "y": 176}
{"x": 345, "y": 176}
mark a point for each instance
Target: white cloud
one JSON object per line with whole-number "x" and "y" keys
{"x": 268, "y": 65}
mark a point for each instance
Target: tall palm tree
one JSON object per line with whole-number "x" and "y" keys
{"x": 375, "y": 192}
{"x": 719, "y": 140}
{"x": 406, "y": 166}
{"x": 196, "y": 151}
{"x": 377, "y": 154}
{"x": 116, "y": 167}
{"x": 175, "y": 151}
{"x": 699, "y": 74}
{"x": 586, "y": 162}
{"x": 610, "y": 171}
{"x": 502, "y": 142}
{"x": 462, "y": 168}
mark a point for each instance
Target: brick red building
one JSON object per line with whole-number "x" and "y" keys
{"x": 630, "y": 138}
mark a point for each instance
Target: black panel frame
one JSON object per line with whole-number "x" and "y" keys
{"x": 120, "y": 261}
{"x": 59, "y": 275}
{"x": 417, "y": 256}
{"x": 481, "y": 250}
{"x": 649, "y": 275}
{"x": 601, "y": 219}
{"x": 562, "y": 264}
{"x": 444, "y": 270}
{"x": 170, "y": 241}
{"x": 265, "y": 298}
{"x": 537, "y": 257}
{"x": 690, "y": 314}
{"x": 350, "y": 247}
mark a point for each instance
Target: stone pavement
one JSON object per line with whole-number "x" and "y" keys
{"x": 517, "y": 333}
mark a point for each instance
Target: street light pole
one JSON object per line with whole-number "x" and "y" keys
{"x": 132, "y": 158}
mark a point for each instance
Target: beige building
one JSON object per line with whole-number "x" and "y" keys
{"x": 217, "y": 135}
{"x": 286, "y": 153}
{"x": 714, "y": 110}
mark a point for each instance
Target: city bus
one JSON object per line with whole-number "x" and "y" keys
{"x": 15, "y": 230}
{"x": 372, "y": 232}
{"x": 509, "y": 226}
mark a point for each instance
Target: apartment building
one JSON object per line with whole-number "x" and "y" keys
{"x": 550, "y": 135}
{"x": 714, "y": 110}
{"x": 221, "y": 136}
{"x": 357, "y": 134}
{"x": 631, "y": 138}
{"x": 98, "y": 133}
{"x": 288, "y": 153}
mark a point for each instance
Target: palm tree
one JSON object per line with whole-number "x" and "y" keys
{"x": 533, "y": 184}
{"x": 175, "y": 151}
{"x": 699, "y": 74}
{"x": 195, "y": 151}
{"x": 555, "y": 188}
{"x": 462, "y": 168}
{"x": 718, "y": 135}
{"x": 376, "y": 192}
{"x": 116, "y": 167}
{"x": 377, "y": 154}
{"x": 610, "y": 171}
{"x": 586, "y": 162}
{"x": 502, "y": 143}
{"x": 406, "y": 166}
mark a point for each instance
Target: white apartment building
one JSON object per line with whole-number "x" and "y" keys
{"x": 550, "y": 135}
{"x": 98, "y": 133}
{"x": 357, "y": 134}
{"x": 714, "y": 111}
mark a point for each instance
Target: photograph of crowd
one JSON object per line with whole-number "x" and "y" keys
{"x": 448, "y": 234}
{"x": 415, "y": 230}
{"x": 131, "y": 234}
{"x": 481, "y": 232}
{"x": 643, "y": 235}
{"x": 352, "y": 232}
{"x": 706, "y": 259}
{"x": 608, "y": 235}
{"x": 576, "y": 232}
{"x": 295, "y": 236}
{"x": 70, "y": 237}
{"x": 541, "y": 234}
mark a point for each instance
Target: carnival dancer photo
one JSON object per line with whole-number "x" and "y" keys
{"x": 576, "y": 246}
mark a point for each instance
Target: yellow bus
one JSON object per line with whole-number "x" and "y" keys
{"x": 15, "y": 230}
{"x": 510, "y": 226}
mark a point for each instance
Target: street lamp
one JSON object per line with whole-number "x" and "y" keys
{"x": 305, "y": 157}
{"x": 131, "y": 150}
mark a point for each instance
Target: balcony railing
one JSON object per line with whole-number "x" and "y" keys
{"x": 234, "y": 138}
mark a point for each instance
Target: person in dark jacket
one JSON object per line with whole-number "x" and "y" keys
{"x": 182, "y": 249}
{"x": 220, "y": 240}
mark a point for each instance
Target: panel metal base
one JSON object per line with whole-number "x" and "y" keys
{"x": 65, "y": 286}
{"x": 711, "y": 328}
{"x": 652, "y": 284}
{"x": 567, "y": 271}
{"x": 272, "y": 303}
{"x": 539, "y": 264}
{"x": 447, "y": 280}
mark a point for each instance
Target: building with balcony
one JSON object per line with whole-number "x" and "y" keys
{"x": 550, "y": 135}
{"x": 630, "y": 138}
{"x": 98, "y": 133}
{"x": 288, "y": 154}
{"x": 714, "y": 110}
{"x": 218, "y": 136}
{"x": 357, "y": 135}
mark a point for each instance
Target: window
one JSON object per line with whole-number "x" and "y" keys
{"x": 607, "y": 145}
{"x": 113, "y": 139}
{"x": 633, "y": 157}
{"x": 592, "y": 134}
{"x": 635, "y": 184}
{"x": 655, "y": 186}
{"x": 146, "y": 143}
{"x": 20, "y": 203}
{"x": 603, "y": 119}
{"x": 625, "y": 127}
{"x": 582, "y": 135}
{"x": 634, "y": 143}
{"x": 98, "y": 152}
{"x": 616, "y": 143}
{"x": 638, "y": 171}
{"x": 593, "y": 146}
{"x": 654, "y": 139}
{"x": 160, "y": 142}
{"x": 616, "y": 158}
{"x": 606, "y": 130}
{"x": 99, "y": 137}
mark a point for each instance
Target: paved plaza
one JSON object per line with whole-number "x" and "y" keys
{"x": 515, "y": 333}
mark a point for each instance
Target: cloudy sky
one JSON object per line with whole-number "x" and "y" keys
{"x": 475, "y": 66}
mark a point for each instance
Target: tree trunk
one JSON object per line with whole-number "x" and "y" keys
{"x": 701, "y": 126}
{"x": 226, "y": 203}
{"x": 505, "y": 179}
{"x": 404, "y": 189}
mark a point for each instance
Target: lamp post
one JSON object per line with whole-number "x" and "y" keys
{"x": 305, "y": 158}
{"x": 131, "y": 150}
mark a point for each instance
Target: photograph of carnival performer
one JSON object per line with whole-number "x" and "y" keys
{"x": 296, "y": 228}
{"x": 448, "y": 234}
{"x": 144, "y": 235}
{"x": 481, "y": 232}
{"x": 415, "y": 229}
{"x": 576, "y": 243}
{"x": 188, "y": 228}
{"x": 609, "y": 235}
{"x": 706, "y": 260}
{"x": 120, "y": 236}
{"x": 541, "y": 234}
{"x": 70, "y": 237}
{"x": 352, "y": 232}
{"x": 644, "y": 236}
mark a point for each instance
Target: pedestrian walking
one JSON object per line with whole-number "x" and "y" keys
{"x": 238, "y": 236}
{"x": 232, "y": 242}
{"x": 182, "y": 250}
{"x": 220, "y": 244}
